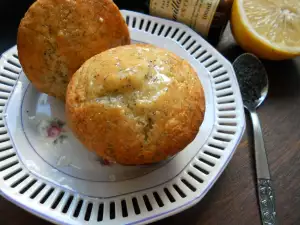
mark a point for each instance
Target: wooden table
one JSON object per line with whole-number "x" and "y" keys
{"x": 232, "y": 200}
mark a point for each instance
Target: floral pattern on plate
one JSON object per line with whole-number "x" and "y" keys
{"x": 105, "y": 162}
{"x": 54, "y": 129}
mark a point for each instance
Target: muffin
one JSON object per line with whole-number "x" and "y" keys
{"x": 135, "y": 104}
{"x": 56, "y": 36}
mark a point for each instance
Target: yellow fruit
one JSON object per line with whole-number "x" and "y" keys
{"x": 268, "y": 28}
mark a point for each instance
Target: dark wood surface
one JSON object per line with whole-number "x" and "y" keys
{"x": 232, "y": 200}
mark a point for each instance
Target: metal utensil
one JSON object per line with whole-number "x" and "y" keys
{"x": 253, "y": 82}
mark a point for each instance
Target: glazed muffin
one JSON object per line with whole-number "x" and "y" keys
{"x": 56, "y": 36}
{"x": 135, "y": 104}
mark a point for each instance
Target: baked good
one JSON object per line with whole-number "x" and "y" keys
{"x": 56, "y": 36}
{"x": 135, "y": 104}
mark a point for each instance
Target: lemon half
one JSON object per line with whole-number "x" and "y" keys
{"x": 268, "y": 28}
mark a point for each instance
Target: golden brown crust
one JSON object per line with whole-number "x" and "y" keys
{"x": 135, "y": 104}
{"x": 56, "y": 36}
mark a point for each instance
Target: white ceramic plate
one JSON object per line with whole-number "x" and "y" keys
{"x": 45, "y": 170}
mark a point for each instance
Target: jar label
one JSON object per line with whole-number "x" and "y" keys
{"x": 198, "y": 14}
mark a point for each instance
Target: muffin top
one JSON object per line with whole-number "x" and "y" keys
{"x": 135, "y": 104}
{"x": 56, "y": 36}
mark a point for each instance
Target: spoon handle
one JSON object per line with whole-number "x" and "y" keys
{"x": 266, "y": 199}
{"x": 262, "y": 167}
{"x": 264, "y": 187}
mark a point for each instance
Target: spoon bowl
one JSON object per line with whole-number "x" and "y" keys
{"x": 253, "y": 80}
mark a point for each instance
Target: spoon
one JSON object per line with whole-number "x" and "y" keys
{"x": 253, "y": 81}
